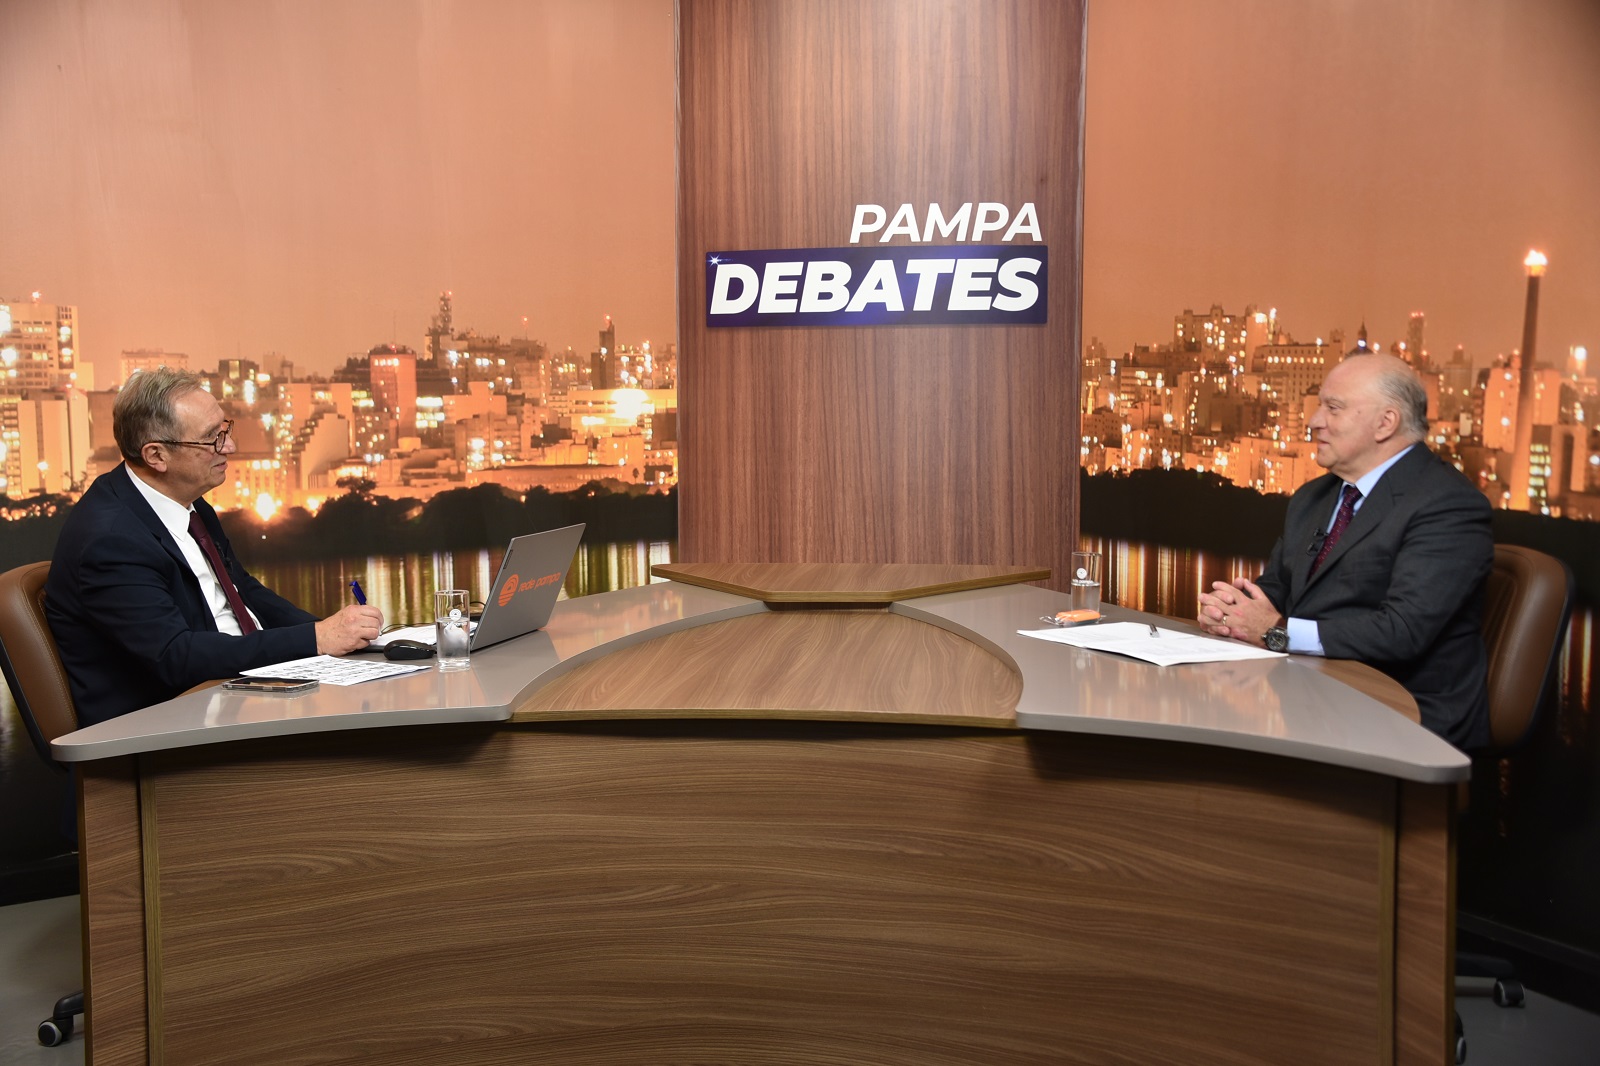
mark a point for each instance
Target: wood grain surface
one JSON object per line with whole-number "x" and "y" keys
{"x": 953, "y": 444}
{"x": 150, "y": 846}
{"x": 766, "y": 893}
{"x": 1425, "y": 894}
{"x": 111, "y": 871}
{"x": 874, "y": 583}
{"x": 819, "y": 665}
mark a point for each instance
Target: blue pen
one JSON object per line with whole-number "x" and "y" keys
{"x": 355, "y": 590}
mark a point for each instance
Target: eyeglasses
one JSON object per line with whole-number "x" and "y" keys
{"x": 216, "y": 444}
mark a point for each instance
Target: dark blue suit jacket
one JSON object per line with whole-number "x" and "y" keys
{"x": 1403, "y": 590}
{"x": 128, "y": 613}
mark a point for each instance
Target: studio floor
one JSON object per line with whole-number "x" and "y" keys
{"x": 39, "y": 961}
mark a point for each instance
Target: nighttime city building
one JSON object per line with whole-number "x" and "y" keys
{"x": 1232, "y": 394}
{"x": 468, "y": 409}
{"x": 44, "y": 411}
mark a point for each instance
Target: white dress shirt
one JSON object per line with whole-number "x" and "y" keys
{"x": 175, "y": 517}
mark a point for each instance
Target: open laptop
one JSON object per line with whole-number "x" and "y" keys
{"x": 523, "y": 594}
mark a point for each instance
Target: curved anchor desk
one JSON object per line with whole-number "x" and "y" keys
{"x": 775, "y": 814}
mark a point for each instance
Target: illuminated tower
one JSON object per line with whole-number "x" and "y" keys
{"x": 603, "y": 362}
{"x": 44, "y": 442}
{"x": 1220, "y": 337}
{"x": 1363, "y": 346}
{"x": 440, "y": 329}
{"x": 1414, "y": 351}
{"x": 39, "y": 346}
{"x": 394, "y": 387}
{"x": 1257, "y": 330}
{"x": 1525, "y": 383}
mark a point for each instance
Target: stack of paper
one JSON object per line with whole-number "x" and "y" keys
{"x": 335, "y": 671}
{"x": 1164, "y": 647}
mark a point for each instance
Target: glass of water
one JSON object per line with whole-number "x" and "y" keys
{"x": 1086, "y": 581}
{"x": 453, "y": 628}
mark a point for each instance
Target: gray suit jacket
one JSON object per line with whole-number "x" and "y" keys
{"x": 1403, "y": 589}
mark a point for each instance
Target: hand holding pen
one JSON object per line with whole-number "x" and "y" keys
{"x": 352, "y": 628}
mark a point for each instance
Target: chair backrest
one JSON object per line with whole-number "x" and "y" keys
{"x": 29, "y": 658}
{"x": 1529, "y": 601}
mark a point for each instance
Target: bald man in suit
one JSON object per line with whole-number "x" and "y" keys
{"x": 1383, "y": 559}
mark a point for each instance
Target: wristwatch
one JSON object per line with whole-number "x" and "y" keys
{"x": 1276, "y": 639}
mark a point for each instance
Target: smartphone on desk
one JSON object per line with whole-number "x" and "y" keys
{"x": 285, "y": 685}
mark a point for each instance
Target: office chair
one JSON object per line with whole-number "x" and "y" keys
{"x": 39, "y": 684}
{"x": 1529, "y": 603}
{"x": 1527, "y": 606}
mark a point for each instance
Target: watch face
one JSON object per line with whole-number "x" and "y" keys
{"x": 1276, "y": 639}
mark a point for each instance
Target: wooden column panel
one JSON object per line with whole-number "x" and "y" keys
{"x": 112, "y": 866}
{"x": 1425, "y": 896}
{"x": 949, "y": 444}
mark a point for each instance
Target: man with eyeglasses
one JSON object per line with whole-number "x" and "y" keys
{"x": 145, "y": 597}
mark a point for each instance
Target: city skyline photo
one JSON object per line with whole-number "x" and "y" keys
{"x": 1344, "y": 163}
{"x": 305, "y": 178}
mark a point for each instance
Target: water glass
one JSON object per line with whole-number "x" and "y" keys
{"x": 1086, "y": 581}
{"x": 453, "y": 628}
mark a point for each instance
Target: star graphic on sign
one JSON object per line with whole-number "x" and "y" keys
{"x": 715, "y": 260}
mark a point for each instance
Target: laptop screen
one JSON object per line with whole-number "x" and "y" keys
{"x": 528, "y": 584}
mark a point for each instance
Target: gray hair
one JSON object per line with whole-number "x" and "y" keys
{"x": 1400, "y": 385}
{"x": 144, "y": 409}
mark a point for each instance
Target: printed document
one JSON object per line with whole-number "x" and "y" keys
{"x": 334, "y": 671}
{"x": 1165, "y": 647}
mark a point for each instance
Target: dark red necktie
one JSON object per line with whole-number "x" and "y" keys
{"x": 197, "y": 530}
{"x": 1341, "y": 521}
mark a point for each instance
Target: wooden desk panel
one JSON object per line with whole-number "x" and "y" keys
{"x": 765, "y": 893}
{"x": 878, "y": 583}
{"x": 613, "y": 882}
{"x": 1425, "y": 925}
{"x": 111, "y": 867}
{"x": 820, "y": 665}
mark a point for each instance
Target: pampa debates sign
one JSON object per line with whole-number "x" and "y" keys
{"x": 968, "y": 282}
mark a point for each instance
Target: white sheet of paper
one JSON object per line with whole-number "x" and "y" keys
{"x": 1168, "y": 649}
{"x": 335, "y": 671}
{"x": 427, "y": 634}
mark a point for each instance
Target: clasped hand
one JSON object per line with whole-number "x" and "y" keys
{"x": 1239, "y": 610}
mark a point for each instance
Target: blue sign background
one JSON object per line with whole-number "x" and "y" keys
{"x": 860, "y": 260}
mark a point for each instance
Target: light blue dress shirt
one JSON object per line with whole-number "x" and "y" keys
{"x": 1304, "y": 636}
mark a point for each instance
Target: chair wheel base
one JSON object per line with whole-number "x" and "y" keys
{"x": 1508, "y": 992}
{"x": 54, "y": 1032}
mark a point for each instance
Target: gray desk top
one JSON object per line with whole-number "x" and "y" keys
{"x": 1276, "y": 706}
{"x": 579, "y": 630}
